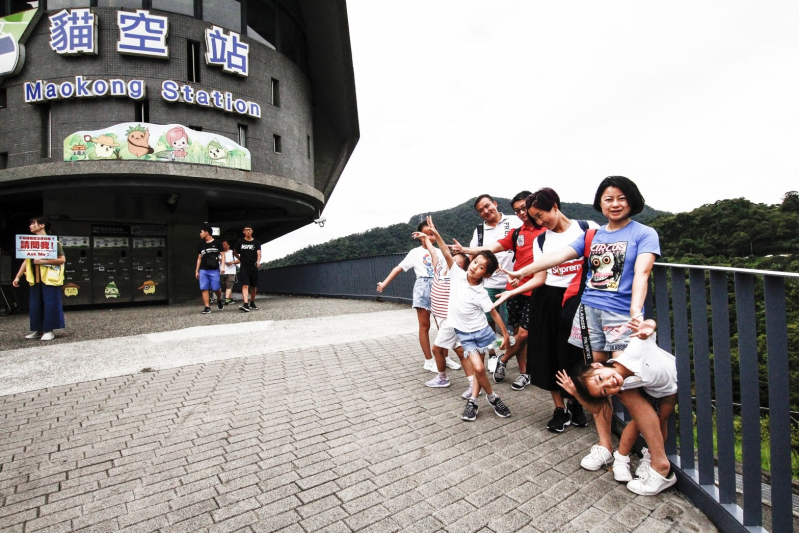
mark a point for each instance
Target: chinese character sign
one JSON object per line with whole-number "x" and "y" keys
{"x": 73, "y": 32}
{"x": 227, "y": 51}
{"x": 142, "y": 34}
{"x": 37, "y": 247}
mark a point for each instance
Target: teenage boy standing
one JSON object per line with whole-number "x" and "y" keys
{"x": 208, "y": 269}
{"x": 248, "y": 252}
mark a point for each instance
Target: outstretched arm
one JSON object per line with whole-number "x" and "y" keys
{"x": 641, "y": 273}
{"x": 395, "y": 271}
{"x": 448, "y": 257}
{"x": 534, "y": 283}
{"x": 428, "y": 245}
{"x": 494, "y": 248}
{"x": 547, "y": 261}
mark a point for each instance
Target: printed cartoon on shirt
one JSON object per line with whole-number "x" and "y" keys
{"x": 607, "y": 261}
{"x": 426, "y": 260}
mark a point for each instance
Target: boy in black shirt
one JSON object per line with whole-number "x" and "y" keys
{"x": 208, "y": 267}
{"x": 248, "y": 252}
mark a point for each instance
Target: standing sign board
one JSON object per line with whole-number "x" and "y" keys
{"x": 36, "y": 247}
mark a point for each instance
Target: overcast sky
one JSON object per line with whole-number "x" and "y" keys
{"x": 694, "y": 101}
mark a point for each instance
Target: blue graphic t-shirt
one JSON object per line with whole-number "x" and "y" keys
{"x": 612, "y": 258}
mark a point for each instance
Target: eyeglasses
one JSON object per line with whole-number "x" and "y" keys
{"x": 519, "y": 209}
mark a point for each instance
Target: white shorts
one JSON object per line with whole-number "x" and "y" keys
{"x": 446, "y": 337}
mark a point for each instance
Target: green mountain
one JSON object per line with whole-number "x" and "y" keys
{"x": 457, "y": 222}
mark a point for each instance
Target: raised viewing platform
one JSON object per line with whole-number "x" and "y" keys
{"x": 307, "y": 415}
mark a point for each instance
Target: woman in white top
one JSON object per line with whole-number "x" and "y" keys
{"x": 548, "y": 349}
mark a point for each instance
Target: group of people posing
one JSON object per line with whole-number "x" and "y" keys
{"x": 217, "y": 268}
{"x": 566, "y": 298}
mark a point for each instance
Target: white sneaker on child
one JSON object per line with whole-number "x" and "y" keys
{"x": 467, "y": 394}
{"x": 451, "y": 364}
{"x": 652, "y": 483}
{"x": 491, "y": 364}
{"x": 622, "y": 468}
{"x": 644, "y": 464}
{"x": 430, "y": 365}
{"x": 598, "y": 457}
{"x": 438, "y": 382}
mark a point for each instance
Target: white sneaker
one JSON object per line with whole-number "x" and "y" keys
{"x": 644, "y": 464}
{"x": 622, "y": 468}
{"x": 467, "y": 394}
{"x": 652, "y": 483}
{"x": 48, "y": 336}
{"x": 430, "y": 365}
{"x": 451, "y": 364}
{"x": 34, "y": 335}
{"x": 598, "y": 457}
{"x": 491, "y": 365}
{"x": 438, "y": 382}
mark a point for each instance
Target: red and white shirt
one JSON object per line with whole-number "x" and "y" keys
{"x": 440, "y": 292}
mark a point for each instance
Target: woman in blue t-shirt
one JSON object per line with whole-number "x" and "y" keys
{"x": 621, "y": 256}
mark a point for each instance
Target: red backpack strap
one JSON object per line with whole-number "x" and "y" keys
{"x": 587, "y": 241}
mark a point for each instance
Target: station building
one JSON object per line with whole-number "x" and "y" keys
{"x": 132, "y": 123}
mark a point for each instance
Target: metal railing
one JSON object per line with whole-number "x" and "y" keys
{"x": 679, "y": 301}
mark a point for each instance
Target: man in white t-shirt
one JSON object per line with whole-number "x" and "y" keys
{"x": 228, "y": 277}
{"x": 420, "y": 260}
{"x": 495, "y": 226}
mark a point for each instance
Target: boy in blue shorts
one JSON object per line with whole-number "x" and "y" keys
{"x": 469, "y": 302}
{"x": 209, "y": 267}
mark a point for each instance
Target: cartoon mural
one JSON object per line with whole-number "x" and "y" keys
{"x": 149, "y": 287}
{"x": 111, "y": 291}
{"x": 141, "y": 141}
{"x": 71, "y": 289}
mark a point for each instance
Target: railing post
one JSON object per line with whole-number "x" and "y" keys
{"x": 664, "y": 338}
{"x": 779, "y": 438}
{"x": 749, "y": 394}
{"x": 702, "y": 378}
{"x": 726, "y": 458}
{"x": 683, "y": 364}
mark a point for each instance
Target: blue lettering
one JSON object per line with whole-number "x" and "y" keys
{"x": 82, "y": 87}
{"x": 187, "y": 94}
{"x": 100, "y": 87}
{"x": 202, "y": 98}
{"x": 33, "y": 91}
{"x": 169, "y": 91}
{"x": 118, "y": 88}
{"x": 227, "y": 101}
{"x": 66, "y": 90}
{"x": 50, "y": 91}
{"x": 217, "y": 96}
{"x": 255, "y": 110}
{"x": 136, "y": 89}
{"x": 240, "y": 106}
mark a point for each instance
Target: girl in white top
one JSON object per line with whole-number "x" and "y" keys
{"x": 641, "y": 366}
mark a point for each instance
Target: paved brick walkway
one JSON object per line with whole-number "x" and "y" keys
{"x": 332, "y": 438}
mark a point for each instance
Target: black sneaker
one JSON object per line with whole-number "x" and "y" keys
{"x": 560, "y": 421}
{"x": 470, "y": 411}
{"x": 244, "y": 308}
{"x": 206, "y": 311}
{"x": 522, "y": 381}
{"x": 499, "y": 372}
{"x": 253, "y": 306}
{"x": 577, "y": 416}
{"x": 220, "y": 304}
{"x": 227, "y": 301}
{"x": 500, "y": 408}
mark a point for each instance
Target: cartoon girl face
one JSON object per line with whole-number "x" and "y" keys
{"x": 180, "y": 144}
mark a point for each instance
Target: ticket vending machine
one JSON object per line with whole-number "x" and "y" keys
{"x": 77, "y": 288}
{"x": 149, "y": 265}
{"x": 111, "y": 270}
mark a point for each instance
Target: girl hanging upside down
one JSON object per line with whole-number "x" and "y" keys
{"x": 641, "y": 366}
